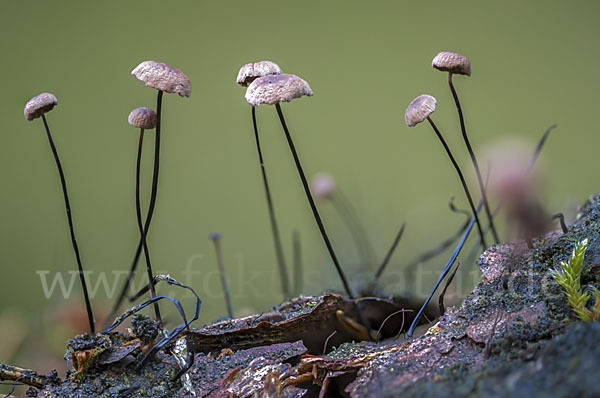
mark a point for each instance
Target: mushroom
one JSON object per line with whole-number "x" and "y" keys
{"x": 419, "y": 110}
{"x": 169, "y": 79}
{"x": 455, "y": 63}
{"x": 142, "y": 118}
{"x": 246, "y": 75}
{"x": 36, "y": 108}
{"x": 272, "y": 90}
{"x": 254, "y": 70}
{"x": 163, "y": 77}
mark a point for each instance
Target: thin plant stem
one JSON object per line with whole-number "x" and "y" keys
{"x": 388, "y": 255}
{"x": 216, "y": 238}
{"x": 486, "y": 206}
{"x": 297, "y": 256}
{"x": 462, "y": 180}
{"x": 63, "y": 182}
{"x": 283, "y": 274}
{"x": 313, "y": 206}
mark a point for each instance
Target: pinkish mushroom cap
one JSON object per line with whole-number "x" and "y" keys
{"x": 419, "y": 109}
{"x": 163, "y": 77}
{"x": 323, "y": 185}
{"x": 448, "y": 61}
{"x": 39, "y": 105}
{"x": 249, "y": 72}
{"x": 144, "y": 118}
{"x": 274, "y": 89}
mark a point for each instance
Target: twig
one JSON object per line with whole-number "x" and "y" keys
{"x": 21, "y": 375}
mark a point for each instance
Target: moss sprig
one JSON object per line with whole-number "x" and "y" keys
{"x": 569, "y": 278}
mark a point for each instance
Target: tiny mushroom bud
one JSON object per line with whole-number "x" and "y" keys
{"x": 323, "y": 185}
{"x": 163, "y": 77}
{"x": 144, "y": 118}
{"x": 447, "y": 61}
{"x": 39, "y": 105}
{"x": 274, "y": 89}
{"x": 419, "y": 109}
{"x": 249, "y": 72}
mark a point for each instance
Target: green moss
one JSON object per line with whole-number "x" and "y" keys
{"x": 569, "y": 278}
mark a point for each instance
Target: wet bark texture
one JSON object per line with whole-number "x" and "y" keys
{"x": 513, "y": 335}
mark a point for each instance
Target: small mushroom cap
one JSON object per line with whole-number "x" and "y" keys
{"x": 163, "y": 77}
{"x": 448, "y": 61}
{"x": 251, "y": 71}
{"x": 144, "y": 118}
{"x": 419, "y": 109}
{"x": 39, "y": 105}
{"x": 274, "y": 89}
{"x": 323, "y": 185}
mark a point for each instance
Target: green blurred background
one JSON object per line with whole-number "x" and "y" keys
{"x": 534, "y": 64}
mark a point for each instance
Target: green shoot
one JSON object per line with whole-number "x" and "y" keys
{"x": 569, "y": 278}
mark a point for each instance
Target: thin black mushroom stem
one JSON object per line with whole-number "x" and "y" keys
{"x": 454, "y": 63}
{"x": 420, "y": 110}
{"x": 216, "y": 238}
{"x": 297, "y": 263}
{"x": 63, "y": 182}
{"x": 283, "y": 274}
{"x": 312, "y": 204}
{"x": 35, "y": 108}
{"x": 388, "y": 255}
{"x": 152, "y": 205}
{"x": 462, "y": 180}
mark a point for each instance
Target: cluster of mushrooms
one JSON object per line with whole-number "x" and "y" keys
{"x": 265, "y": 85}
